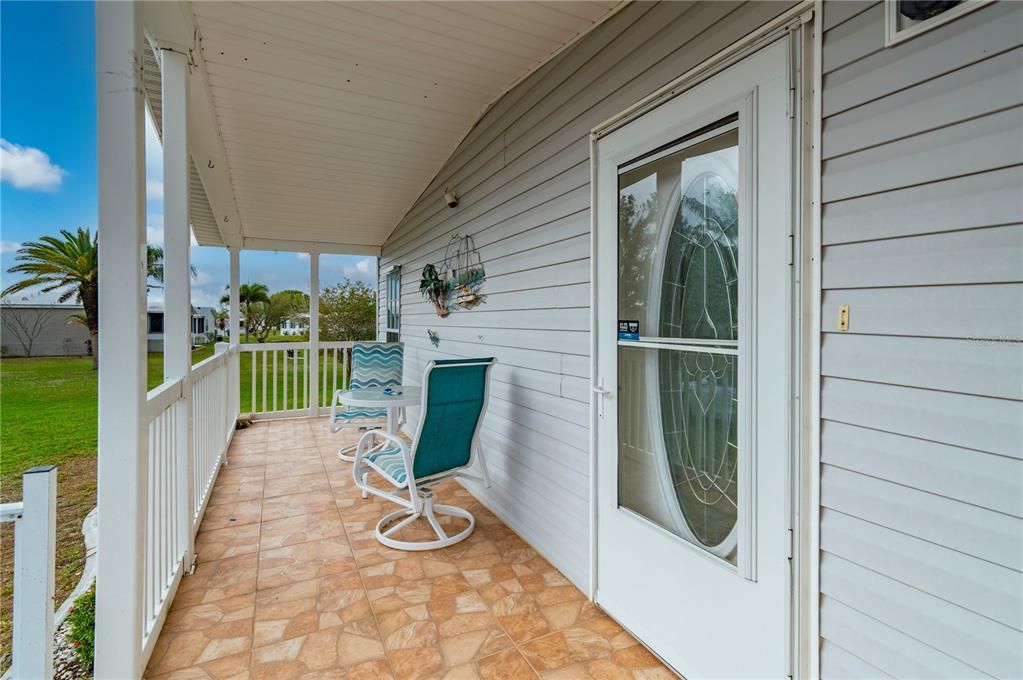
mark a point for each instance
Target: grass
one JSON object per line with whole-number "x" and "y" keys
{"x": 48, "y": 416}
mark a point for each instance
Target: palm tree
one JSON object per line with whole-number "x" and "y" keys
{"x": 248, "y": 294}
{"x": 220, "y": 318}
{"x": 70, "y": 264}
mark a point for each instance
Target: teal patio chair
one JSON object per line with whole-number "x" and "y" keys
{"x": 446, "y": 444}
{"x": 374, "y": 364}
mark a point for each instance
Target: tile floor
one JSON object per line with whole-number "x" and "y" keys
{"x": 291, "y": 583}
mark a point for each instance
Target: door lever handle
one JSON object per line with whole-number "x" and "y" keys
{"x": 603, "y": 392}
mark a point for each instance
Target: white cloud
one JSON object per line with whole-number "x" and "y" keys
{"x": 302, "y": 256}
{"x": 365, "y": 265}
{"x": 154, "y": 190}
{"x": 9, "y": 246}
{"x": 28, "y": 168}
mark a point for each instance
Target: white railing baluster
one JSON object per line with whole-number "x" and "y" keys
{"x": 302, "y": 392}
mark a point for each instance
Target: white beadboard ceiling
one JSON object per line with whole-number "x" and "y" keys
{"x": 335, "y": 116}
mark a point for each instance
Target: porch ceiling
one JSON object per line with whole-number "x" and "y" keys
{"x": 334, "y": 117}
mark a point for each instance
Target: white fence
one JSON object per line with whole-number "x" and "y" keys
{"x": 35, "y": 533}
{"x": 276, "y": 381}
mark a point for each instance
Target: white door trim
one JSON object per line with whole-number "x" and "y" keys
{"x": 804, "y": 20}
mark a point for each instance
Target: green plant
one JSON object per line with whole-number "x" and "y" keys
{"x": 70, "y": 265}
{"x": 82, "y": 627}
{"x": 435, "y": 289}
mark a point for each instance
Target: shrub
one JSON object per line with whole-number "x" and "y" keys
{"x": 82, "y": 627}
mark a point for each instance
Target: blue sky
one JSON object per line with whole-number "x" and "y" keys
{"x": 48, "y": 161}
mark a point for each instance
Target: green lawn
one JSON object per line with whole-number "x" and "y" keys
{"x": 48, "y": 417}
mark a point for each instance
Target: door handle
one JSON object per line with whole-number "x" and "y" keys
{"x": 599, "y": 389}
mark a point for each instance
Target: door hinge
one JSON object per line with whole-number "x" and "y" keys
{"x": 790, "y": 547}
{"x": 792, "y": 102}
{"x": 792, "y": 249}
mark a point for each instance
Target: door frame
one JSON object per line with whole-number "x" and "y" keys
{"x": 799, "y": 25}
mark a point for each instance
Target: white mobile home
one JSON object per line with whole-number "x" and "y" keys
{"x": 753, "y": 277}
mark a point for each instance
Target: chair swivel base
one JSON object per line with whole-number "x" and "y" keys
{"x": 429, "y": 510}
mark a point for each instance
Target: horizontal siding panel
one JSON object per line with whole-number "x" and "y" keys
{"x": 981, "y": 423}
{"x": 570, "y": 342}
{"x": 968, "y": 367}
{"x": 945, "y": 522}
{"x": 838, "y": 664}
{"x": 977, "y": 145}
{"x": 577, "y": 319}
{"x": 970, "y": 92}
{"x": 836, "y": 13}
{"x": 966, "y": 40}
{"x": 522, "y": 176}
{"x": 979, "y": 311}
{"x": 974, "y": 477}
{"x": 988, "y": 646}
{"x": 981, "y": 200}
{"x": 893, "y": 652}
{"x": 984, "y": 588}
{"x": 853, "y": 40}
{"x": 947, "y": 258}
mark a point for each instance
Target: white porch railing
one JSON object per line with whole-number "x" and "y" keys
{"x": 212, "y": 425}
{"x": 180, "y": 473}
{"x": 276, "y": 380}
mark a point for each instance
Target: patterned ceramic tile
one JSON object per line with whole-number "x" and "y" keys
{"x": 217, "y": 580}
{"x": 232, "y": 514}
{"x": 291, "y": 583}
{"x": 284, "y": 486}
{"x": 305, "y": 561}
{"x": 316, "y": 501}
{"x": 300, "y": 529}
{"x": 216, "y": 544}
{"x": 194, "y": 636}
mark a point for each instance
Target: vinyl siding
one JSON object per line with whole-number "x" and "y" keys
{"x": 922, "y": 399}
{"x": 522, "y": 175}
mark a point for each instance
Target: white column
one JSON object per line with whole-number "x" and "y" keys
{"x": 177, "y": 347}
{"x": 122, "y": 333}
{"x": 234, "y": 310}
{"x": 35, "y": 542}
{"x": 314, "y": 334}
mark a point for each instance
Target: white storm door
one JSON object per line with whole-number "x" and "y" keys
{"x": 693, "y": 434}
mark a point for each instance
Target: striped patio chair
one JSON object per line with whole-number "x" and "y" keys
{"x": 446, "y": 445}
{"x": 374, "y": 364}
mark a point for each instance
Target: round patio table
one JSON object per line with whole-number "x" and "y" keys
{"x": 377, "y": 397}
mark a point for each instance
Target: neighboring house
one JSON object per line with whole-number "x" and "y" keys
{"x": 202, "y": 324}
{"x": 754, "y": 280}
{"x": 296, "y": 326}
{"x": 42, "y": 330}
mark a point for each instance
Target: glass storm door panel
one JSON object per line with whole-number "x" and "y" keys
{"x": 678, "y": 265}
{"x": 694, "y": 319}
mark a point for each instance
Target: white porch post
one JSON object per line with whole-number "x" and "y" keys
{"x": 234, "y": 359}
{"x": 177, "y": 348}
{"x": 314, "y": 334}
{"x": 122, "y": 333}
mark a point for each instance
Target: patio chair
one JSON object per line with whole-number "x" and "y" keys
{"x": 446, "y": 444}
{"x": 374, "y": 364}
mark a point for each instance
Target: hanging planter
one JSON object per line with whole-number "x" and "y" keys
{"x": 435, "y": 289}
{"x": 463, "y": 271}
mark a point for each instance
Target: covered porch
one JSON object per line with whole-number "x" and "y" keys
{"x": 292, "y": 583}
{"x": 231, "y": 553}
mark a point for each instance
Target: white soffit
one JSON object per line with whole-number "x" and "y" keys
{"x": 335, "y": 116}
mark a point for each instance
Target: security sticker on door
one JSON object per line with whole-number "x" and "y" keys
{"x": 628, "y": 330}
